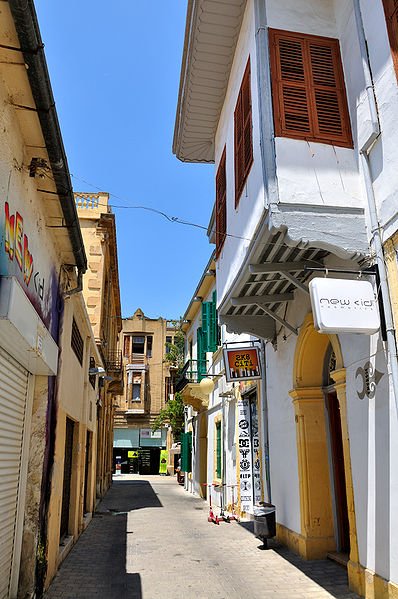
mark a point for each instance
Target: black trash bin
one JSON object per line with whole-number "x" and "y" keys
{"x": 265, "y": 522}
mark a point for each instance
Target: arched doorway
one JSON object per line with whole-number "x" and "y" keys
{"x": 327, "y": 511}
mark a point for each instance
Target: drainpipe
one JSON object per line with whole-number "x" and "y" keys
{"x": 264, "y": 410}
{"x": 376, "y": 229}
{"x": 79, "y": 285}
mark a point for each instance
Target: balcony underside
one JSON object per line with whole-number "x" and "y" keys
{"x": 290, "y": 241}
{"x": 192, "y": 396}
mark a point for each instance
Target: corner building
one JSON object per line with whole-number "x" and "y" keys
{"x": 301, "y": 125}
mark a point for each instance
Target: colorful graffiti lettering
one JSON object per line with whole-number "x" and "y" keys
{"x": 17, "y": 243}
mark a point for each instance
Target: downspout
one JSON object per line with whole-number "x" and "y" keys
{"x": 264, "y": 410}
{"x": 268, "y": 159}
{"x": 79, "y": 285}
{"x": 376, "y": 229}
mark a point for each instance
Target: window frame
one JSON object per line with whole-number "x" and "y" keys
{"x": 310, "y": 86}
{"x": 243, "y": 121}
{"x": 221, "y": 203}
{"x": 392, "y": 30}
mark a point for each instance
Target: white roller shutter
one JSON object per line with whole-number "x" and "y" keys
{"x": 13, "y": 396}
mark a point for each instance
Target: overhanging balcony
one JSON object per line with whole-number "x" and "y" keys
{"x": 188, "y": 384}
{"x": 136, "y": 362}
{"x": 114, "y": 367}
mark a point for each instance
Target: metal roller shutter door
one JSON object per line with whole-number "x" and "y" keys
{"x": 13, "y": 395}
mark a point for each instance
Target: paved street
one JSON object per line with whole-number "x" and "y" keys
{"x": 150, "y": 539}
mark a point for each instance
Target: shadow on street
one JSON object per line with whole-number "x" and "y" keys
{"x": 325, "y": 573}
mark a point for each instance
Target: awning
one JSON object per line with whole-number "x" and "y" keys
{"x": 277, "y": 262}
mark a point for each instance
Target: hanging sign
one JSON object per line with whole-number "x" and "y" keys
{"x": 344, "y": 306}
{"x": 242, "y": 364}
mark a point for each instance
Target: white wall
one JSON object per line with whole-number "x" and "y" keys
{"x": 384, "y": 156}
{"x": 241, "y": 221}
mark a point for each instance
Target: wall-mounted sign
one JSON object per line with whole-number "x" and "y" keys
{"x": 344, "y": 306}
{"x": 147, "y": 433}
{"x": 242, "y": 364}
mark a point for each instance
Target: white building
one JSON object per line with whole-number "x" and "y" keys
{"x": 295, "y": 101}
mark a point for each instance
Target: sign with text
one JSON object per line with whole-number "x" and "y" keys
{"x": 344, "y": 306}
{"x": 242, "y": 364}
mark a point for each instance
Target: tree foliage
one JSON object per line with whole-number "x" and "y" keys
{"x": 173, "y": 412}
{"x": 173, "y": 415}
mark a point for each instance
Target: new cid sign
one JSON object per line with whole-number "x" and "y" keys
{"x": 242, "y": 364}
{"x": 344, "y": 306}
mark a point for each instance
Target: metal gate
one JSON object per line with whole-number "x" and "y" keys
{"x": 13, "y": 396}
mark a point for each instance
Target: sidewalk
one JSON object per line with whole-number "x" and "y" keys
{"x": 151, "y": 540}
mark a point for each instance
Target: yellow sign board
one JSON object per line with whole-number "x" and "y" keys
{"x": 132, "y": 454}
{"x": 163, "y": 461}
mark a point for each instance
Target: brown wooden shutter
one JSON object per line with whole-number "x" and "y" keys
{"x": 308, "y": 88}
{"x": 221, "y": 204}
{"x": 391, "y": 12}
{"x": 243, "y": 135}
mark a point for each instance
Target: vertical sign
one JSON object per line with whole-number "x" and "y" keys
{"x": 245, "y": 456}
{"x": 256, "y": 452}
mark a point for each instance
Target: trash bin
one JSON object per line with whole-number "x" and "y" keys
{"x": 265, "y": 522}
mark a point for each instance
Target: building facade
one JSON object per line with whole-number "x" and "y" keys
{"x": 147, "y": 388}
{"x": 300, "y": 124}
{"x": 42, "y": 260}
{"x": 101, "y": 292}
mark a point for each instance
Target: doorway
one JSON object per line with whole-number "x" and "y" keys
{"x": 336, "y": 456}
{"x": 338, "y": 473}
{"x": 69, "y": 431}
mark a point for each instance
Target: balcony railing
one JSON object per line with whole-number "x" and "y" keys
{"x": 114, "y": 361}
{"x": 193, "y": 372}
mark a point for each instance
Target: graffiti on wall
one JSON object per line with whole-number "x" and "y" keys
{"x": 21, "y": 252}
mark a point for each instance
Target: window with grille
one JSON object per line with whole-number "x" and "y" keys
{"x": 77, "y": 342}
{"x": 391, "y": 12}
{"x": 221, "y": 204}
{"x": 92, "y": 378}
{"x": 308, "y": 89}
{"x": 243, "y": 134}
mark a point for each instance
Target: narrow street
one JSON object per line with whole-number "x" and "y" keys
{"x": 150, "y": 539}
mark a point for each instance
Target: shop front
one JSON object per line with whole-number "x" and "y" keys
{"x": 137, "y": 450}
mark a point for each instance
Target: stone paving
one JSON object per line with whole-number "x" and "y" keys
{"x": 150, "y": 539}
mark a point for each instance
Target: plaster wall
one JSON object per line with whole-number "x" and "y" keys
{"x": 314, "y": 173}
{"x": 242, "y": 220}
{"x": 384, "y": 154}
{"x": 281, "y": 424}
{"x": 77, "y": 401}
{"x": 372, "y": 429}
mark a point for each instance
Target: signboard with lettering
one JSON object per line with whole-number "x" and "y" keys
{"x": 344, "y": 306}
{"x": 242, "y": 364}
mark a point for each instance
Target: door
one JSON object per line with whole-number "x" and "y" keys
{"x": 13, "y": 396}
{"x": 86, "y": 506}
{"x": 69, "y": 431}
{"x": 337, "y": 455}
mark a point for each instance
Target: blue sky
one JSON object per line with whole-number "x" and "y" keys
{"x": 115, "y": 70}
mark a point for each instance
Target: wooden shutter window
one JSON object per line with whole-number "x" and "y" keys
{"x": 243, "y": 134}
{"x": 391, "y": 12}
{"x": 308, "y": 88}
{"x": 221, "y": 204}
{"x": 77, "y": 342}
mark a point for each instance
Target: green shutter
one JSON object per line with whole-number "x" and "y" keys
{"x": 206, "y": 324}
{"x": 218, "y": 450}
{"x": 201, "y": 354}
{"x": 213, "y": 327}
{"x": 186, "y": 451}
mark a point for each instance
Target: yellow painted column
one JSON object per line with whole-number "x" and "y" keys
{"x": 355, "y": 570}
{"x": 390, "y": 249}
{"x": 317, "y": 531}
